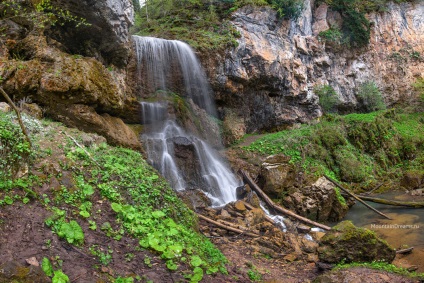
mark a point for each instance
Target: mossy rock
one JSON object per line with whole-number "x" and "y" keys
{"x": 348, "y": 243}
{"x": 13, "y": 271}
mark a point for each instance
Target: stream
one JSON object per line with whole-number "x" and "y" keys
{"x": 405, "y": 228}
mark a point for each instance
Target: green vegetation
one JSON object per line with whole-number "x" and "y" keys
{"x": 370, "y": 98}
{"x": 57, "y": 275}
{"x": 41, "y": 13}
{"x": 359, "y": 148}
{"x": 253, "y": 273}
{"x": 331, "y": 35}
{"x": 328, "y": 99}
{"x": 379, "y": 265}
{"x": 203, "y": 24}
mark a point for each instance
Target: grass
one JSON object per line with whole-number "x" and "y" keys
{"x": 354, "y": 148}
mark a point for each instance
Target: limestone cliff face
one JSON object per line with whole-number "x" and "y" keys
{"x": 267, "y": 81}
{"x": 107, "y": 36}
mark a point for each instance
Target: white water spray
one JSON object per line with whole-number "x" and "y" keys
{"x": 164, "y": 64}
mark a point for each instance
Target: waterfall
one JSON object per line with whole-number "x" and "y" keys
{"x": 171, "y": 66}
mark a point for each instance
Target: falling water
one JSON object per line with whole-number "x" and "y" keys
{"x": 164, "y": 64}
{"x": 167, "y": 64}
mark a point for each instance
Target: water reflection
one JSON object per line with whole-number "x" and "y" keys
{"x": 405, "y": 229}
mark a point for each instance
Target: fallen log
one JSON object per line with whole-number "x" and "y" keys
{"x": 356, "y": 197}
{"x": 411, "y": 204}
{"x": 232, "y": 229}
{"x": 278, "y": 208}
{"x": 405, "y": 251}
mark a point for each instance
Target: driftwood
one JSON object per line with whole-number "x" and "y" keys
{"x": 411, "y": 204}
{"x": 405, "y": 251}
{"x": 232, "y": 229}
{"x": 278, "y": 208}
{"x": 356, "y": 197}
{"x": 18, "y": 114}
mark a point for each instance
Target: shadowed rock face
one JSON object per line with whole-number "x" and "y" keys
{"x": 108, "y": 35}
{"x": 267, "y": 81}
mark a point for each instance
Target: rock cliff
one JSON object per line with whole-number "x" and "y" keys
{"x": 267, "y": 82}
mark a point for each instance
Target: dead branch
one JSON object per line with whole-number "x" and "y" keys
{"x": 18, "y": 114}
{"x": 356, "y": 197}
{"x": 405, "y": 251}
{"x": 227, "y": 227}
{"x": 411, "y": 204}
{"x": 278, "y": 208}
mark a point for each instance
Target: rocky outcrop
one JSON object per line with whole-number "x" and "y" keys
{"x": 317, "y": 201}
{"x": 107, "y": 36}
{"x": 268, "y": 80}
{"x": 73, "y": 89}
{"x": 352, "y": 244}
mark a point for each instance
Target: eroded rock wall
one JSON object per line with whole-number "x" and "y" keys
{"x": 267, "y": 82}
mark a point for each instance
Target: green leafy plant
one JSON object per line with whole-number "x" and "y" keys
{"x": 332, "y": 35}
{"x": 72, "y": 232}
{"x": 370, "y": 98}
{"x": 57, "y": 275}
{"x": 104, "y": 255}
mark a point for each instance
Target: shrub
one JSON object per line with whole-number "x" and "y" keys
{"x": 287, "y": 9}
{"x": 332, "y": 35}
{"x": 327, "y": 98}
{"x": 370, "y": 98}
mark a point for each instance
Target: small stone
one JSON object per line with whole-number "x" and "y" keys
{"x": 225, "y": 214}
{"x": 32, "y": 261}
{"x": 290, "y": 257}
{"x": 303, "y": 229}
{"x": 4, "y": 107}
{"x": 239, "y": 205}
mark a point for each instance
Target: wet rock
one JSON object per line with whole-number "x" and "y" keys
{"x": 353, "y": 244}
{"x": 195, "y": 199}
{"x": 254, "y": 217}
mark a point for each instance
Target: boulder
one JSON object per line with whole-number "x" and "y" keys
{"x": 319, "y": 201}
{"x": 348, "y": 243}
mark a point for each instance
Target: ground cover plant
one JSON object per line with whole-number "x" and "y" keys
{"x": 104, "y": 191}
{"x": 356, "y": 148}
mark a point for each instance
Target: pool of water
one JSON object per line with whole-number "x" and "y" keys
{"x": 405, "y": 228}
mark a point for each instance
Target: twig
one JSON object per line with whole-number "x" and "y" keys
{"x": 355, "y": 197}
{"x": 18, "y": 114}
{"x": 86, "y": 152}
{"x": 278, "y": 208}
{"x": 227, "y": 227}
